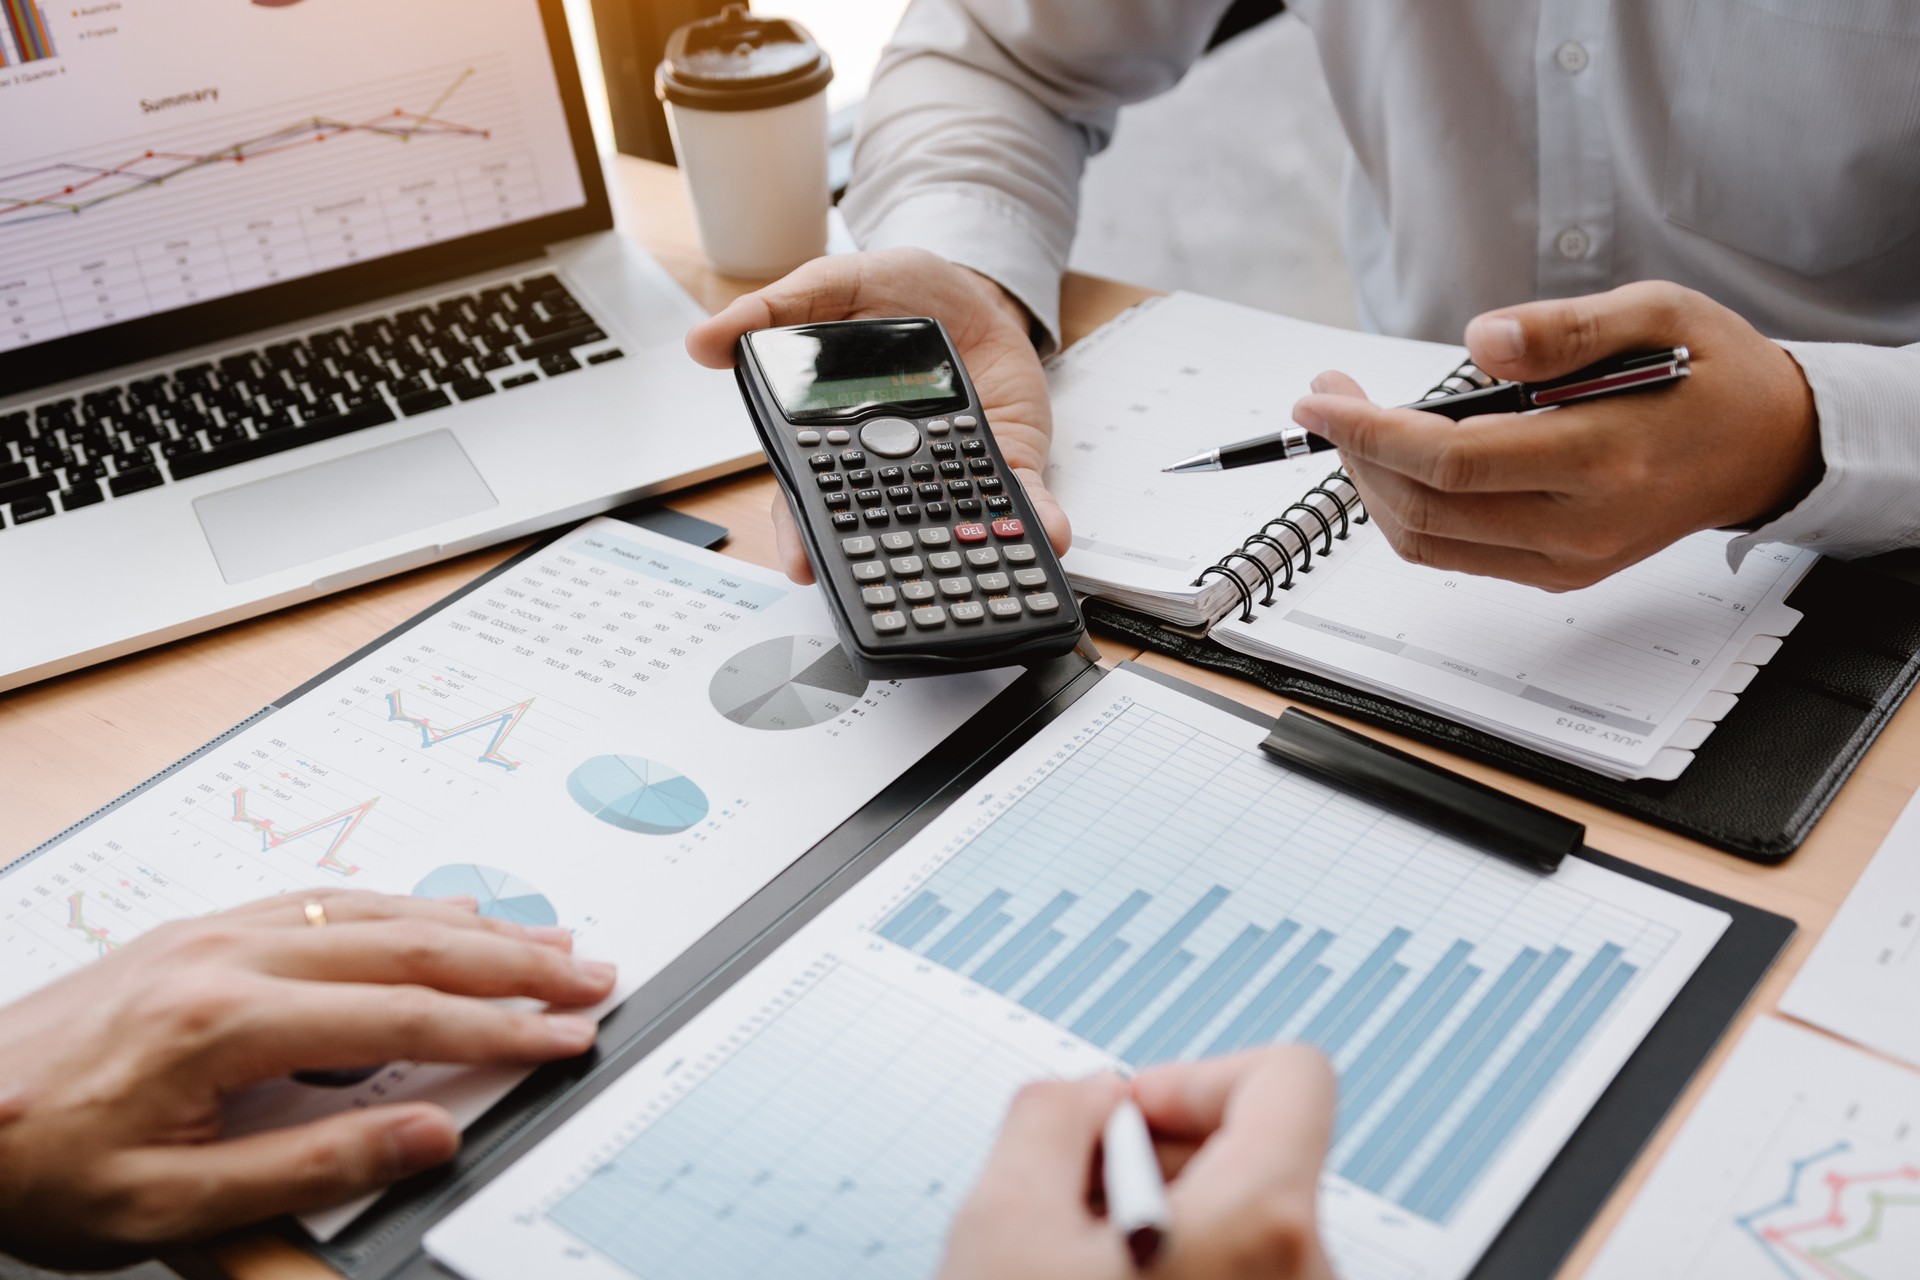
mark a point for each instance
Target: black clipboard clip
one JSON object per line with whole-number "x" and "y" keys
{"x": 1427, "y": 793}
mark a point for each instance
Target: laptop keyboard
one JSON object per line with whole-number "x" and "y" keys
{"x": 114, "y": 441}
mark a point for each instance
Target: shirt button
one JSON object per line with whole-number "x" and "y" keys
{"x": 1573, "y": 244}
{"x": 1572, "y": 57}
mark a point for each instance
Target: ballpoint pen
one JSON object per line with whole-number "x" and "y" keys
{"x": 1635, "y": 372}
{"x": 1136, "y": 1194}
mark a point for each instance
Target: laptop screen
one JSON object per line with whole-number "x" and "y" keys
{"x": 162, "y": 157}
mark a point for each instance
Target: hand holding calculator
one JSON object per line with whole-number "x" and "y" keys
{"x": 931, "y": 557}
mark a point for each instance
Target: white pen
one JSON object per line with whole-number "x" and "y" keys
{"x": 1136, "y": 1193}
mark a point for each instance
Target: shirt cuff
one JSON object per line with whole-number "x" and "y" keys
{"x": 1868, "y": 401}
{"x": 979, "y": 231}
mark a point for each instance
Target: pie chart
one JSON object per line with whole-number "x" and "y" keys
{"x": 789, "y": 683}
{"x": 636, "y": 794}
{"x": 500, "y": 895}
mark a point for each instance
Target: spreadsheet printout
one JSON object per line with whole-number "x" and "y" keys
{"x": 623, "y": 735}
{"x": 1137, "y": 884}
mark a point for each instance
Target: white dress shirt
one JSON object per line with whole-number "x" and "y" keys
{"x": 1765, "y": 152}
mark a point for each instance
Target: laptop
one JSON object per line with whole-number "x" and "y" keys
{"x": 297, "y": 295}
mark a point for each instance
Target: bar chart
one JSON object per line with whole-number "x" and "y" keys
{"x": 1166, "y": 895}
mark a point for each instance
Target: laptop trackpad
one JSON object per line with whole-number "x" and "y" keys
{"x": 331, "y": 507}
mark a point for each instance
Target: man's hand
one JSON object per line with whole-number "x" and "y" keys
{"x": 111, "y": 1079}
{"x": 1242, "y": 1139}
{"x": 985, "y": 323}
{"x": 1563, "y": 499}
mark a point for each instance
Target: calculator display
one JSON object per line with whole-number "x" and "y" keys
{"x": 834, "y": 373}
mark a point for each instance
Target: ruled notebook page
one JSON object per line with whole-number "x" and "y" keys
{"x": 1625, "y": 677}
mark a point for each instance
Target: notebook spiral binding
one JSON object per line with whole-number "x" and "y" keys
{"x": 1328, "y": 523}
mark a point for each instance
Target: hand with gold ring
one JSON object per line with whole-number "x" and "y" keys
{"x": 111, "y": 1079}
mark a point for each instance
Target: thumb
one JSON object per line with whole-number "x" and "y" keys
{"x": 1045, "y": 1150}
{"x": 1540, "y": 340}
{"x": 1274, "y": 1112}
{"x": 191, "y": 1192}
{"x": 824, "y": 289}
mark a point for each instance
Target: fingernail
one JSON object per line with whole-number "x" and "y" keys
{"x": 1309, "y": 419}
{"x": 1497, "y": 337}
{"x": 551, "y": 935}
{"x": 570, "y": 1033}
{"x": 421, "y": 1141}
{"x": 1319, "y": 382}
{"x": 598, "y": 972}
{"x": 465, "y": 900}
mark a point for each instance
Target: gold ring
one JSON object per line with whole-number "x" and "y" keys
{"x": 316, "y": 913}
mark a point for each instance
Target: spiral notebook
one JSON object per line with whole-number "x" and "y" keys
{"x": 1626, "y": 678}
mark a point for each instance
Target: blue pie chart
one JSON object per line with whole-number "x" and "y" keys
{"x": 501, "y": 896}
{"x": 636, "y": 794}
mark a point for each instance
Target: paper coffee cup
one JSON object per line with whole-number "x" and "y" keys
{"x": 746, "y": 104}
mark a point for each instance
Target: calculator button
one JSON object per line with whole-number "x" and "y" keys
{"x": 990, "y": 485}
{"x": 970, "y": 532}
{"x": 1009, "y": 529}
{"x": 999, "y": 505}
{"x": 935, "y": 537}
{"x": 876, "y": 516}
{"x": 968, "y": 506}
{"x": 907, "y": 566}
{"x": 807, "y": 439}
{"x": 916, "y": 592}
{"x": 939, "y": 427}
{"x": 968, "y": 611}
{"x": 837, "y": 436}
{"x": 821, "y": 462}
{"x": 1029, "y": 578}
{"x": 930, "y": 617}
{"x": 945, "y": 561}
{"x": 953, "y": 467}
{"x": 857, "y": 547}
{"x": 853, "y": 458}
{"x": 890, "y": 622}
{"x": 938, "y": 511}
{"x": 837, "y": 501}
{"x": 921, "y": 471}
{"x": 860, "y": 479}
{"x": 830, "y": 481}
{"x": 972, "y": 448}
{"x": 892, "y": 475}
{"x": 1003, "y": 607}
{"x": 899, "y": 493}
{"x": 897, "y": 541}
{"x": 891, "y": 437}
{"x": 1020, "y": 554}
{"x": 1044, "y": 602}
{"x": 980, "y": 466}
{"x": 966, "y": 422}
{"x": 869, "y": 571}
{"x": 945, "y": 449}
{"x": 993, "y": 582}
{"x": 983, "y": 557}
{"x": 845, "y": 520}
{"x": 956, "y": 588}
{"x": 868, "y": 497}
{"x": 906, "y": 511}
{"x": 879, "y": 597}
{"x": 960, "y": 488}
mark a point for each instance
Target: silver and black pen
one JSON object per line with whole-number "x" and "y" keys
{"x": 1637, "y": 372}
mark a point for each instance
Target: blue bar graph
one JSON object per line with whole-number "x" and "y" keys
{"x": 1446, "y": 1045}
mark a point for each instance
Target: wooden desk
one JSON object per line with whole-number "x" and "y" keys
{"x": 74, "y": 743}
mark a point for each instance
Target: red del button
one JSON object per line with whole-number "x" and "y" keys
{"x": 970, "y": 532}
{"x": 1009, "y": 529}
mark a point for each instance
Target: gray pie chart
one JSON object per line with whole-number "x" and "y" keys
{"x": 789, "y": 683}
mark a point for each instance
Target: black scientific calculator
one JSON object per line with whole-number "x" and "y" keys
{"x": 929, "y": 553}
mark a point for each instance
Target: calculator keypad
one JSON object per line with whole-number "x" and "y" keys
{"x": 964, "y": 559}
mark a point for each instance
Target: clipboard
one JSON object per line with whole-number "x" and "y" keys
{"x": 385, "y": 1243}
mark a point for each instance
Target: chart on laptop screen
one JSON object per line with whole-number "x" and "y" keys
{"x": 188, "y": 150}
